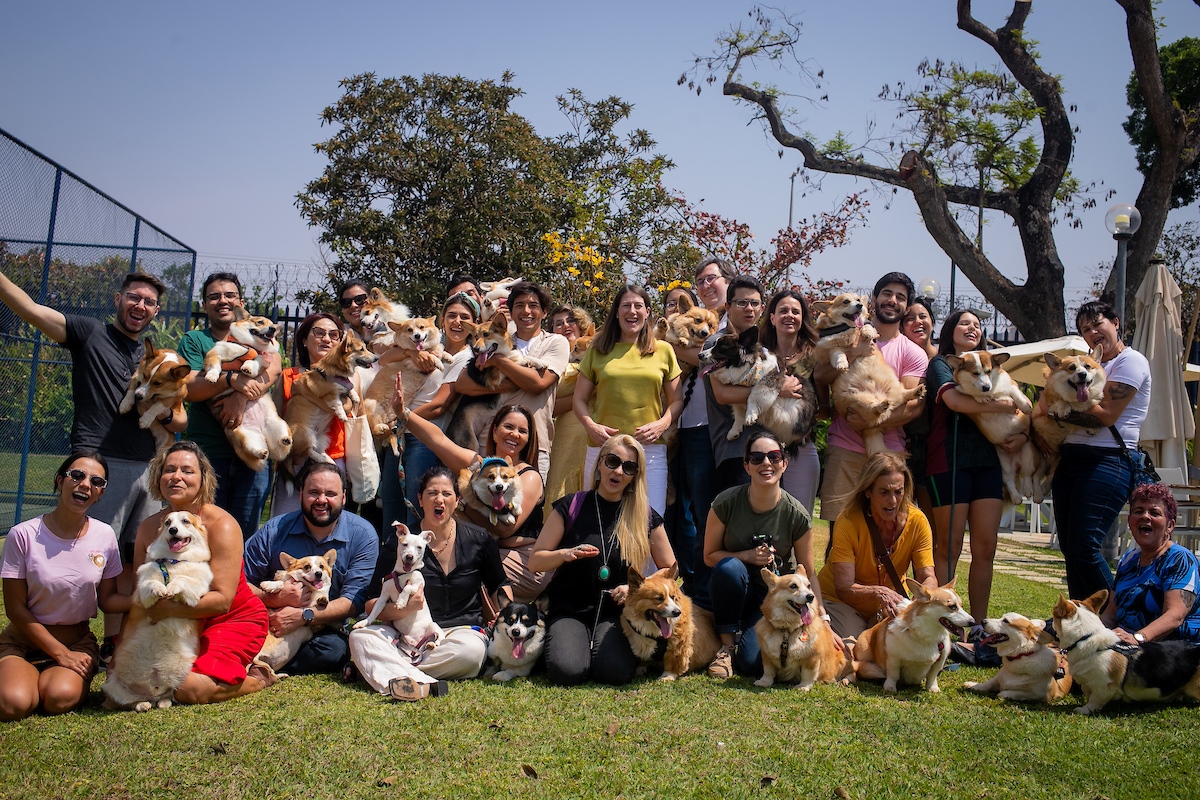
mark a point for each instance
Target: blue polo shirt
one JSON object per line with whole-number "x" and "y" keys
{"x": 352, "y": 538}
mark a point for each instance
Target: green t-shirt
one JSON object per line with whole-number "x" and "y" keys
{"x": 629, "y": 386}
{"x": 786, "y": 523}
{"x": 203, "y": 428}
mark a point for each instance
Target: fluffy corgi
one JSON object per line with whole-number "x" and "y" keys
{"x": 153, "y": 659}
{"x": 797, "y": 646}
{"x": 418, "y": 630}
{"x": 913, "y": 647}
{"x": 262, "y": 434}
{"x": 492, "y": 488}
{"x": 690, "y": 326}
{"x": 865, "y": 385}
{"x": 662, "y": 624}
{"x": 980, "y": 376}
{"x": 518, "y": 640}
{"x": 378, "y": 313}
{"x": 317, "y": 573}
{"x": 1106, "y": 669}
{"x": 495, "y": 294}
{"x": 739, "y": 360}
{"x": 1030, "y": 668}
{"x": 317, "y": 397}
{"x": 1075, "y": 383}
{"x": 160, "y": 384}
{"x": 416, "y": 335}
{"x": 468, "y": 426}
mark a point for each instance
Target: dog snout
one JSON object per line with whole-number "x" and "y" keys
{"x": 808, "y": 598}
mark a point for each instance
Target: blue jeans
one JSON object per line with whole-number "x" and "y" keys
{"x": 324, "y": 654}
{"x": 418, "y": 459}
{"x": 736, "y": 600}
{"x": 693, "y": 475}
{"x": 1090, "y": 486}
{"x": 241, "y": 491}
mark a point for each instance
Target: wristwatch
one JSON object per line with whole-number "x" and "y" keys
{"x": 309, "y": 615}
{"x": 1139, "y": 638}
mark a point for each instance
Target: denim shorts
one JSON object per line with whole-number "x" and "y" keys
{"x": 965, "y": 486}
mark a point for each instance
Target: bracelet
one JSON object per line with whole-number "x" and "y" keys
{"x": 402, "y": 422}
{"x": 167, "y": 419}
{"x": 229, "y": 378}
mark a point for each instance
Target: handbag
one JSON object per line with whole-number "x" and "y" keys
{"x": 362, "y": 461}
{"x": 1143, "y": 465}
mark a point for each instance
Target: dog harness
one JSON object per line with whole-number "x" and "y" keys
{"x": 162, "y": 567}
{"x": 835, "y": 330}
{"x": 660, "y": 649}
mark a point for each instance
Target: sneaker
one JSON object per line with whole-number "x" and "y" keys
{"x": 721, "y": 667}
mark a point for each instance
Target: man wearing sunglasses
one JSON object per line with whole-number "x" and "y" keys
{"x": 240, "y": 490}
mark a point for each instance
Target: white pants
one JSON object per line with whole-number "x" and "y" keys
{"x": 656, "y": 473}
{"x": 459, "y": 656}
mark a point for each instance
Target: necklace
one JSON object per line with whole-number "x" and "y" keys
{"x": 605, "y": 546}
{"x": 437, "y": 551}
{"x": 60, "y": 530}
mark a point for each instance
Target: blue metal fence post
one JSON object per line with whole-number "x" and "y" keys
{"x": 37, "y": 349}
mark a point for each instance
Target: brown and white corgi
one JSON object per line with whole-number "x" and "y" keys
{"x": 662, "y": 624}
{"x": 1030, "y": 669}
{"x": 493, "y": 488}
{"x": 495, "y": 295}
{"x": 159, "y": 384}
{"x": 1075, "y": 383}
{"x": 316, "y": 573}
{"x": 378, "y": 313}
{"x": 317, "y": 397}
{"x": 416, "y": 335}
{"x": 797, "y": 646}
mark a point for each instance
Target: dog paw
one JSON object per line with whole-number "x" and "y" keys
{"x": 764, "y": 683}
{"x": 362, "y": 623}
{"x": 503, "y": 676}
{"x": 970, "y": 684}
{"x": 145, "y": 705}
{"x": 668, "y": 676}
{"x": 1084, "y": 710}
{"x": 933, "y": 687}
{"x": 804, "y": 688}
{"x": 889, "y": 686}
{"x": 164, "y": 703}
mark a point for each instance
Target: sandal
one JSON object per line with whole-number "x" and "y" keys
{"x": 264, "y": 675}
{"x": 721, "y": 667}
{"x": 410, "y": 691}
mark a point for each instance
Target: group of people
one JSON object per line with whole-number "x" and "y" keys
{"x": 587, "y": 432}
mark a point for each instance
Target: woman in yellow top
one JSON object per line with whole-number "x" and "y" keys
{"x": 570, "y": 440}
{"x": 623, "y": 380}
{"x": 854, "y": 582}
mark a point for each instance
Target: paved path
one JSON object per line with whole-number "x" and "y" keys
{"x": 1025, "y": 555}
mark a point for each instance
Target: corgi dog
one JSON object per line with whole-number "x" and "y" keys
{"x": 378, "y": 312}
{"x": 159, "y": 384}
{"x": 517, "y": 642}
{"x": 492, "y": 488}
{"x": 739, "y": 360}
{"x": 690, "y": 326}
{"x": 913, "y": 647}
{"x": 495, "y": 295}
{"x": 1075, "y": 383}
{"x": 487, "y": 340}
{"x": 316, "y": 573}
{"x": 981, "y": 376}
{"x": 1030, "y": 668}
{"x": 317, "y": 397}
{"x": 582, "y": 344}
{"x": 415, "y": 335}
{"x": 797, "y": 646}
{"x": 1106, "y": 669}
{"x": 418, "y": 630}
{"x": 865, "y": 385}
{"x": 262, "y": 434}
{"x": 153, "y": 659}
{"x": 662, "y": 624}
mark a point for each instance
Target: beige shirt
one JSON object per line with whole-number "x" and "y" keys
{"x": 553, "y": 350}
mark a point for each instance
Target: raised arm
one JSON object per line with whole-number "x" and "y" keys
{"x": 47, "y": 320}
{"x": 454, "y": 457}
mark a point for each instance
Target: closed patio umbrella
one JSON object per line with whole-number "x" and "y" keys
{"x": 1159, "y": 337}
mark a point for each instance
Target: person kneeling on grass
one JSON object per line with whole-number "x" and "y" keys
{"x": 461, "y": 561}
{"x": 57, "y": 570}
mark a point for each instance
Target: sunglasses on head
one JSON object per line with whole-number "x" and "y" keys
{"x": 757, "y": 457}
{"x": 357, "y": 300}
{"x": 79, "y": 476}
{"x": 613, "y": 461}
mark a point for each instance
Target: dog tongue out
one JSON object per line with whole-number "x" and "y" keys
{"x": 858, "y": 323}
{"x": 519, "y": 648}
{"x": 664, "y": 627}
{"x": 806, "y": 616}
{"x": 1081, "y": 393}
{"x": 498, "y": 502}
{"x": 178, "y": 544}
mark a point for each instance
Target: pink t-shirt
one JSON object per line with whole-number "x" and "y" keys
{"x": 62, "y": 575}
{"x": 906, "y": 358}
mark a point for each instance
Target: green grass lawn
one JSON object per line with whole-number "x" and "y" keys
{"x": 314, "y": 737}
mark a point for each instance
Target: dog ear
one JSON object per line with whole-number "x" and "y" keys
{"x": 769, "y": 577}
{"x": 950, "y": 585}
{"x": 376, "y": 295}
{"x": 1000, "y": 358}
{"x": 1097, "y": 601}
{"x": 330, "y": 556}
{"x": 240, "y": 313}
{"x": 542, "y": 604}
{"x": 427, "y": 536}
{"x": 954, "y": 361}
{"x": 150, "y": 351}
{"x": 181, "y": 372}
{"x": 685, "y": 304}
{"x": 498, "y": 323}
{"x": 1063, "y": 608}
{"x": 396, "y": 326}
{"x": 1097, "y": 351}
{"x": 286, "y": 561}
{"x": 673, "y": 571}
{"x": 1043, "y": 636}
{"x": 800, "y": 570}
{"x": 748, "y": 338}
{"x": 591, "y": 330}
{"x": 917, "y": 589}
{"x": 1052, "y": 361}
{"x": 821, "y": 306}
{"x": 635, "y": 579}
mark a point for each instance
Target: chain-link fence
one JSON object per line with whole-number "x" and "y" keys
{"x": 69, "y": 246}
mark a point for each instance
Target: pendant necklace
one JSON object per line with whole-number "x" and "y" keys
{"x": 605, "y": 547}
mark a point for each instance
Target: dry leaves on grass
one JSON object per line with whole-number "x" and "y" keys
{"x": 612, "y": 729}
{"x": 528, "y": 771}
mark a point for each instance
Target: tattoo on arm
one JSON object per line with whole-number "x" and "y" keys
{"x": 1120, "y": 391}
{"x": 1082, "y": 420}
{"x": 1188, "y": 597}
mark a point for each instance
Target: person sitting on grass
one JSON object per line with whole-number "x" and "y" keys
{"x": 57, "y": 569}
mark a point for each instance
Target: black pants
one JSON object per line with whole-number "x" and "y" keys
{"x": 572, "y": 659}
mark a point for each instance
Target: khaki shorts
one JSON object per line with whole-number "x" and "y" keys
{"x": 11, "y": 644}
{"x": 842, "y": 470}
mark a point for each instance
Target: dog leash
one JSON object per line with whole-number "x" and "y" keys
{"x": 660, "y": 649}
{"x": 162, "y": 567}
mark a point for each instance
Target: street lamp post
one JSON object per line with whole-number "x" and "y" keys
{"x": 1122, "y": 221}
{"x": 792, "y": 197}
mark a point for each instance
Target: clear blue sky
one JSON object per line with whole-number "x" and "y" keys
{"x": 202, "y": 116}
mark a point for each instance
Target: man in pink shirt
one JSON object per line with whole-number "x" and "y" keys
{"x": 844, "y": 450}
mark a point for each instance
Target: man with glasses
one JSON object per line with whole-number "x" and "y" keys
{"x": 240, "y": 490}
{"x": 104, "y": 358}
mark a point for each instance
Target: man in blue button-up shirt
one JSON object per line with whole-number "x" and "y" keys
{"x": 319, "y": 526}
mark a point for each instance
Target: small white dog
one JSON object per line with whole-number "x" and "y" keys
{"x": 417, "y": 630}
{"x": 153, "y": 659}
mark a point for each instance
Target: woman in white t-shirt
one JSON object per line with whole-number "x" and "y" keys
{"x": 1094, "y": 478}
{"x": 57, "y": 569}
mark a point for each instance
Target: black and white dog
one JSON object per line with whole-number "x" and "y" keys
{"x": 517, "y": 641}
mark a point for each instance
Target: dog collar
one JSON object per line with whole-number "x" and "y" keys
{"x": 835, "y": 330}
{"x": 394, "y": 577}
{"x": 162, "y": 567}
{"x": 660, "y": 649}
{"x": 1022, "y": 655}
{"x": 1078, "y": 642}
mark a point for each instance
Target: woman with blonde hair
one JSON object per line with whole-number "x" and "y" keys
{"x": 592, "y": 539}
{"x": 879, "y": 525}
{"x": 623, "y": 379}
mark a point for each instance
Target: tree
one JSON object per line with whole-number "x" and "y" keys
{"x": 1181, "y": 77}
{"x": 1024, "y": 178}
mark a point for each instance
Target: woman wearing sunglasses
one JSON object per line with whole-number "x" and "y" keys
{"x": 352, "y": 296}
{"x": 752, "y": 526}
{"x": 57, "y": 569}
{"x": 591, "y": 540}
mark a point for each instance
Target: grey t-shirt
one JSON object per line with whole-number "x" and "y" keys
{"x": 786, "y": 523}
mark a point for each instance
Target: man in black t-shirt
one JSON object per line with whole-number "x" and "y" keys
{"x": 104, "y": 357}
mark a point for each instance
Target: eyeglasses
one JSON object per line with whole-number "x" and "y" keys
{"x": 322, "y": 333}
{"x": 744, "y": 303}
{"x": 79, "y": 476}
{"x": 613, "y": 461}
{"x": 139, "y": 300}
{"x": 215, "y": 296}
{"x": 672, "y": 305}
{"x": 357, "y": 300}
{"x": 757, "y": 457}
{"x": 563, "y": 322}
{"x": 706, "y": 280}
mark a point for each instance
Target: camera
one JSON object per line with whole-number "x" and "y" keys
{"x": 762, "y": 540}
